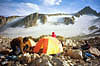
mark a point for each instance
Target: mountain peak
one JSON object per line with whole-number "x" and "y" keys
{"x": 87, "y": 10}
{"x": 88, "y": 7}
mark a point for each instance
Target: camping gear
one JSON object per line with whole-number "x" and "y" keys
{"x": 49, "y": 45}
{"x": 88, "y": 54}
{"x": 94, "y": 51}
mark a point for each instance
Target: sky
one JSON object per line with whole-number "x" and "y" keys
{"x": 26, "y": 7}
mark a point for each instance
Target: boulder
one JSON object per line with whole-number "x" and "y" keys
{"x": 92, "y": 27}
{"x": 77, "y": 54}
{"x": 68, "y": 20}
{"x": 94, "y": 51}
{"x": 70, "y": 42}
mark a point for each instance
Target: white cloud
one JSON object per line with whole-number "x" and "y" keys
{"x": 29, "y": 8}
{"x": 52, "y": 2}
{"x": 58, "y": 2}
{"x": 31, "y": 5}
{"x": 18, "y": 8}
{"x": 50, "y": 10}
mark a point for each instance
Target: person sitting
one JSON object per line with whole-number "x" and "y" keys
{"x": 16, "y": 44}
{"x": 29, "y": 44}
{"x": 21, "y": 45}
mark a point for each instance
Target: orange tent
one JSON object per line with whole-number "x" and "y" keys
{"x": 49, "y": 45}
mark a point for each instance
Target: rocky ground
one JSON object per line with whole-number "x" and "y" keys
{"x": 45, "y": 60}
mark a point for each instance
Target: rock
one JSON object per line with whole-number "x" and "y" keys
{"x": 68, "y": 21}
{"x": 4, "y": 63}
{"x": 43, "y": 18}
{"x": 28, "y": 21}
{"x": 2, "y": 21}
{"x": 2, "y": 57}
{"x": 34, "y": 57}
{"x": 56, "y": 62}
{"x": 77, "y": 15}
{"x": 92, "y": 28}
{"x": 70, "y": 57}
{"x": 73, "y": 18}
{"x": 70, "y": 42}
{"x": 31, "y": 20}
{"x": 1, "y": 40}
{"x": 77, "y": 54}
{"x": 10, "y": 18}
{"x": 25, "y": 60}
{"x": 94, "y": 51}
{"x": 42, "y": 61}
{"x": 61, "y": 38}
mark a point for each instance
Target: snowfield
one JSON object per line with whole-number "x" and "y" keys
{"x": 79, "y": 28}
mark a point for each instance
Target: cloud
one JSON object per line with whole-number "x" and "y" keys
{"x": 22, "y": 9}
{"x": 58, "y": 2}
{"x": 31, "y": 5}
{"x": 51, "y": 10}
{"x": 52, "y": 2}
{"x": 18, "y": 8}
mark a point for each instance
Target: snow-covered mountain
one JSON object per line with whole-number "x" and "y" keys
{"x": 44, "y": 24}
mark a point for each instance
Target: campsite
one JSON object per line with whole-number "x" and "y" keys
{"x": 71, "y": 55}
{"x": 49, "y": 32}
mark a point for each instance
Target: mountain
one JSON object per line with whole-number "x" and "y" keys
{"x": 36, "y": 19}
{"x": 86, "y": 11}
{"x": 10, "y": 18}
{"x": 4, "y": 20}
{"x": 67, "y": 25}
{"x": 31, "y": 20}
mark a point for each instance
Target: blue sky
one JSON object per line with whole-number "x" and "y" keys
{"x": 26, "y": 7}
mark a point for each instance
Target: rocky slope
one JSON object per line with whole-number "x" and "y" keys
{"x": 46, "y": 60}
{"x": 35, "y": 18}
{"x": 4, "y": 20}
{"x": 87, "y": 10}
{"x": 10, "y": 18}
{"x": 31, "y": 20}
